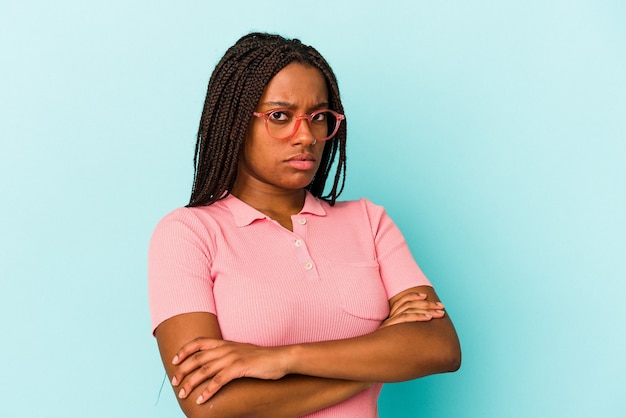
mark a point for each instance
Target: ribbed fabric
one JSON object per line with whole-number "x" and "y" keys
{"x": 330, "y": 278}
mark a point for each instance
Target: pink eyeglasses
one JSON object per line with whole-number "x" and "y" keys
{"x": 282, "y": 124}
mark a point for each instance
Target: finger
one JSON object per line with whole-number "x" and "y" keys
{"x": 218, "y": 381}
{"x": 409, "y": 297}
{"x": 404, "y": 318}
{"x": 194, "y": 346}
{"x": 202, "y": 374}
{"x": 414, "y": 315}
{"x": 416, "y": 304}
{"x": 422, "y": 305}
{"x": 194, "y": 362}
{"x": 435, "y": 313}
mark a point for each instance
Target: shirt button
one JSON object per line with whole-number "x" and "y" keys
{"x": 298, "y": 243}
{"x": 302, "y": 221}
{"x": 308, "y": 266}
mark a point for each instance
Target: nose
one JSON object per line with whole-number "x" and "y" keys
{"x": 303, "y": 133}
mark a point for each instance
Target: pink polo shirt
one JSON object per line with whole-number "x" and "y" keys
{"x": 330, "y": 278}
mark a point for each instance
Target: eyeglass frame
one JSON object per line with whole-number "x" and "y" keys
{"x": 299, "y": 117}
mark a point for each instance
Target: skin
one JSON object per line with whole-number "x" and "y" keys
{"x": 266, "y": 180}
{"x": 214, "y": 377}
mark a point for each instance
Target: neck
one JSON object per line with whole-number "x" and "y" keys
{"x": 274, "y": 203}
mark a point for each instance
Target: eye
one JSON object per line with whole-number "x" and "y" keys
{"x": 280, "y": 116}
{"x": 320, "y": 117}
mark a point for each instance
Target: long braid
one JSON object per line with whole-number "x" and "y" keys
{"x": 235, "y": 88}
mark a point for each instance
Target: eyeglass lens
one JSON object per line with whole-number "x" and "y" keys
{"x": 283, "y": 124}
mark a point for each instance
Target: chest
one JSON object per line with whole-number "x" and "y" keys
{"x": 275, "y": 287}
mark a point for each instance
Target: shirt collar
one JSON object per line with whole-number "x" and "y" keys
{"x": 245, "y": 214}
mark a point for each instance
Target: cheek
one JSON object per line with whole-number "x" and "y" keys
{"x": 259, "y": 153}
{"x": 319, "y": 151}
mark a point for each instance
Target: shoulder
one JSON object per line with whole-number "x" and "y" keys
{"x": 190, "y": 226}
{"x": 354, "y": 207}
{"x": 178, "y": 221}
{"x": 348, "y": 205}
{"x": 359, "y": 211}
{"x": 200, "y": 219}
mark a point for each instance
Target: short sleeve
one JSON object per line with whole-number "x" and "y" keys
{"x": 179, "y": 267}
{"x": 398, "y": 269}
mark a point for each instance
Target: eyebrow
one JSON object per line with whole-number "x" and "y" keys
{"x": 291, "y": 105}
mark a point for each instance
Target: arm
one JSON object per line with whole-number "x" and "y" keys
{"x": 290, "y": 396}
{"x": 404, "y": 351}
{"x": 394, "y": 353}
{"x": 179, "y": 265}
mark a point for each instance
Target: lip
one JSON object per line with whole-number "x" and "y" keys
{"x": 303, "y": 161}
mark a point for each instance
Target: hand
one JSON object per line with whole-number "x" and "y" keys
{"x": 413, "y": 307}
{"x": 217, "y": 362}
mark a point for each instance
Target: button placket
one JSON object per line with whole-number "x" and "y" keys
{"x": 301, "y": 249}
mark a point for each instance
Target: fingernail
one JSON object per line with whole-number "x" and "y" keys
{"x": 440, "y": 311}
{"x": 174, "y": 381}
{"x": 440, "y": 304}
{"x": 181, "y": 394}
{"x": 175, "y": 360}
{"x": 200, "y": 399}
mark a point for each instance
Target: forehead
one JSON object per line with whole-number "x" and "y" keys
{"x": 297, "y": 84}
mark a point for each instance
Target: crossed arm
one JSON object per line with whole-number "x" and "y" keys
{"x": 213, "y": 377}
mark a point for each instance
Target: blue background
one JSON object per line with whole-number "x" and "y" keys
{"x": 493, "y": 131}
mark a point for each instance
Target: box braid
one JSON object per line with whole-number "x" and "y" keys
{"x": 234, "y": 90}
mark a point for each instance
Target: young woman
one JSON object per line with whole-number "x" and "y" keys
{"x": 269, "y": 299}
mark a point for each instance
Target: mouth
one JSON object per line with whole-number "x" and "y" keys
{"x": 302, "y": 162}
{"x": 302, "y": 157}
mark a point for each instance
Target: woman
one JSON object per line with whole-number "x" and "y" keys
{"x": 267, "y": 298}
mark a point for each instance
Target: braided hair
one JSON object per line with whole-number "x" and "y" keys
{"x": 234, "y": 90}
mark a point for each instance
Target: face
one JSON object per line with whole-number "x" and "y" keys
{"x": 269, "y": 164}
